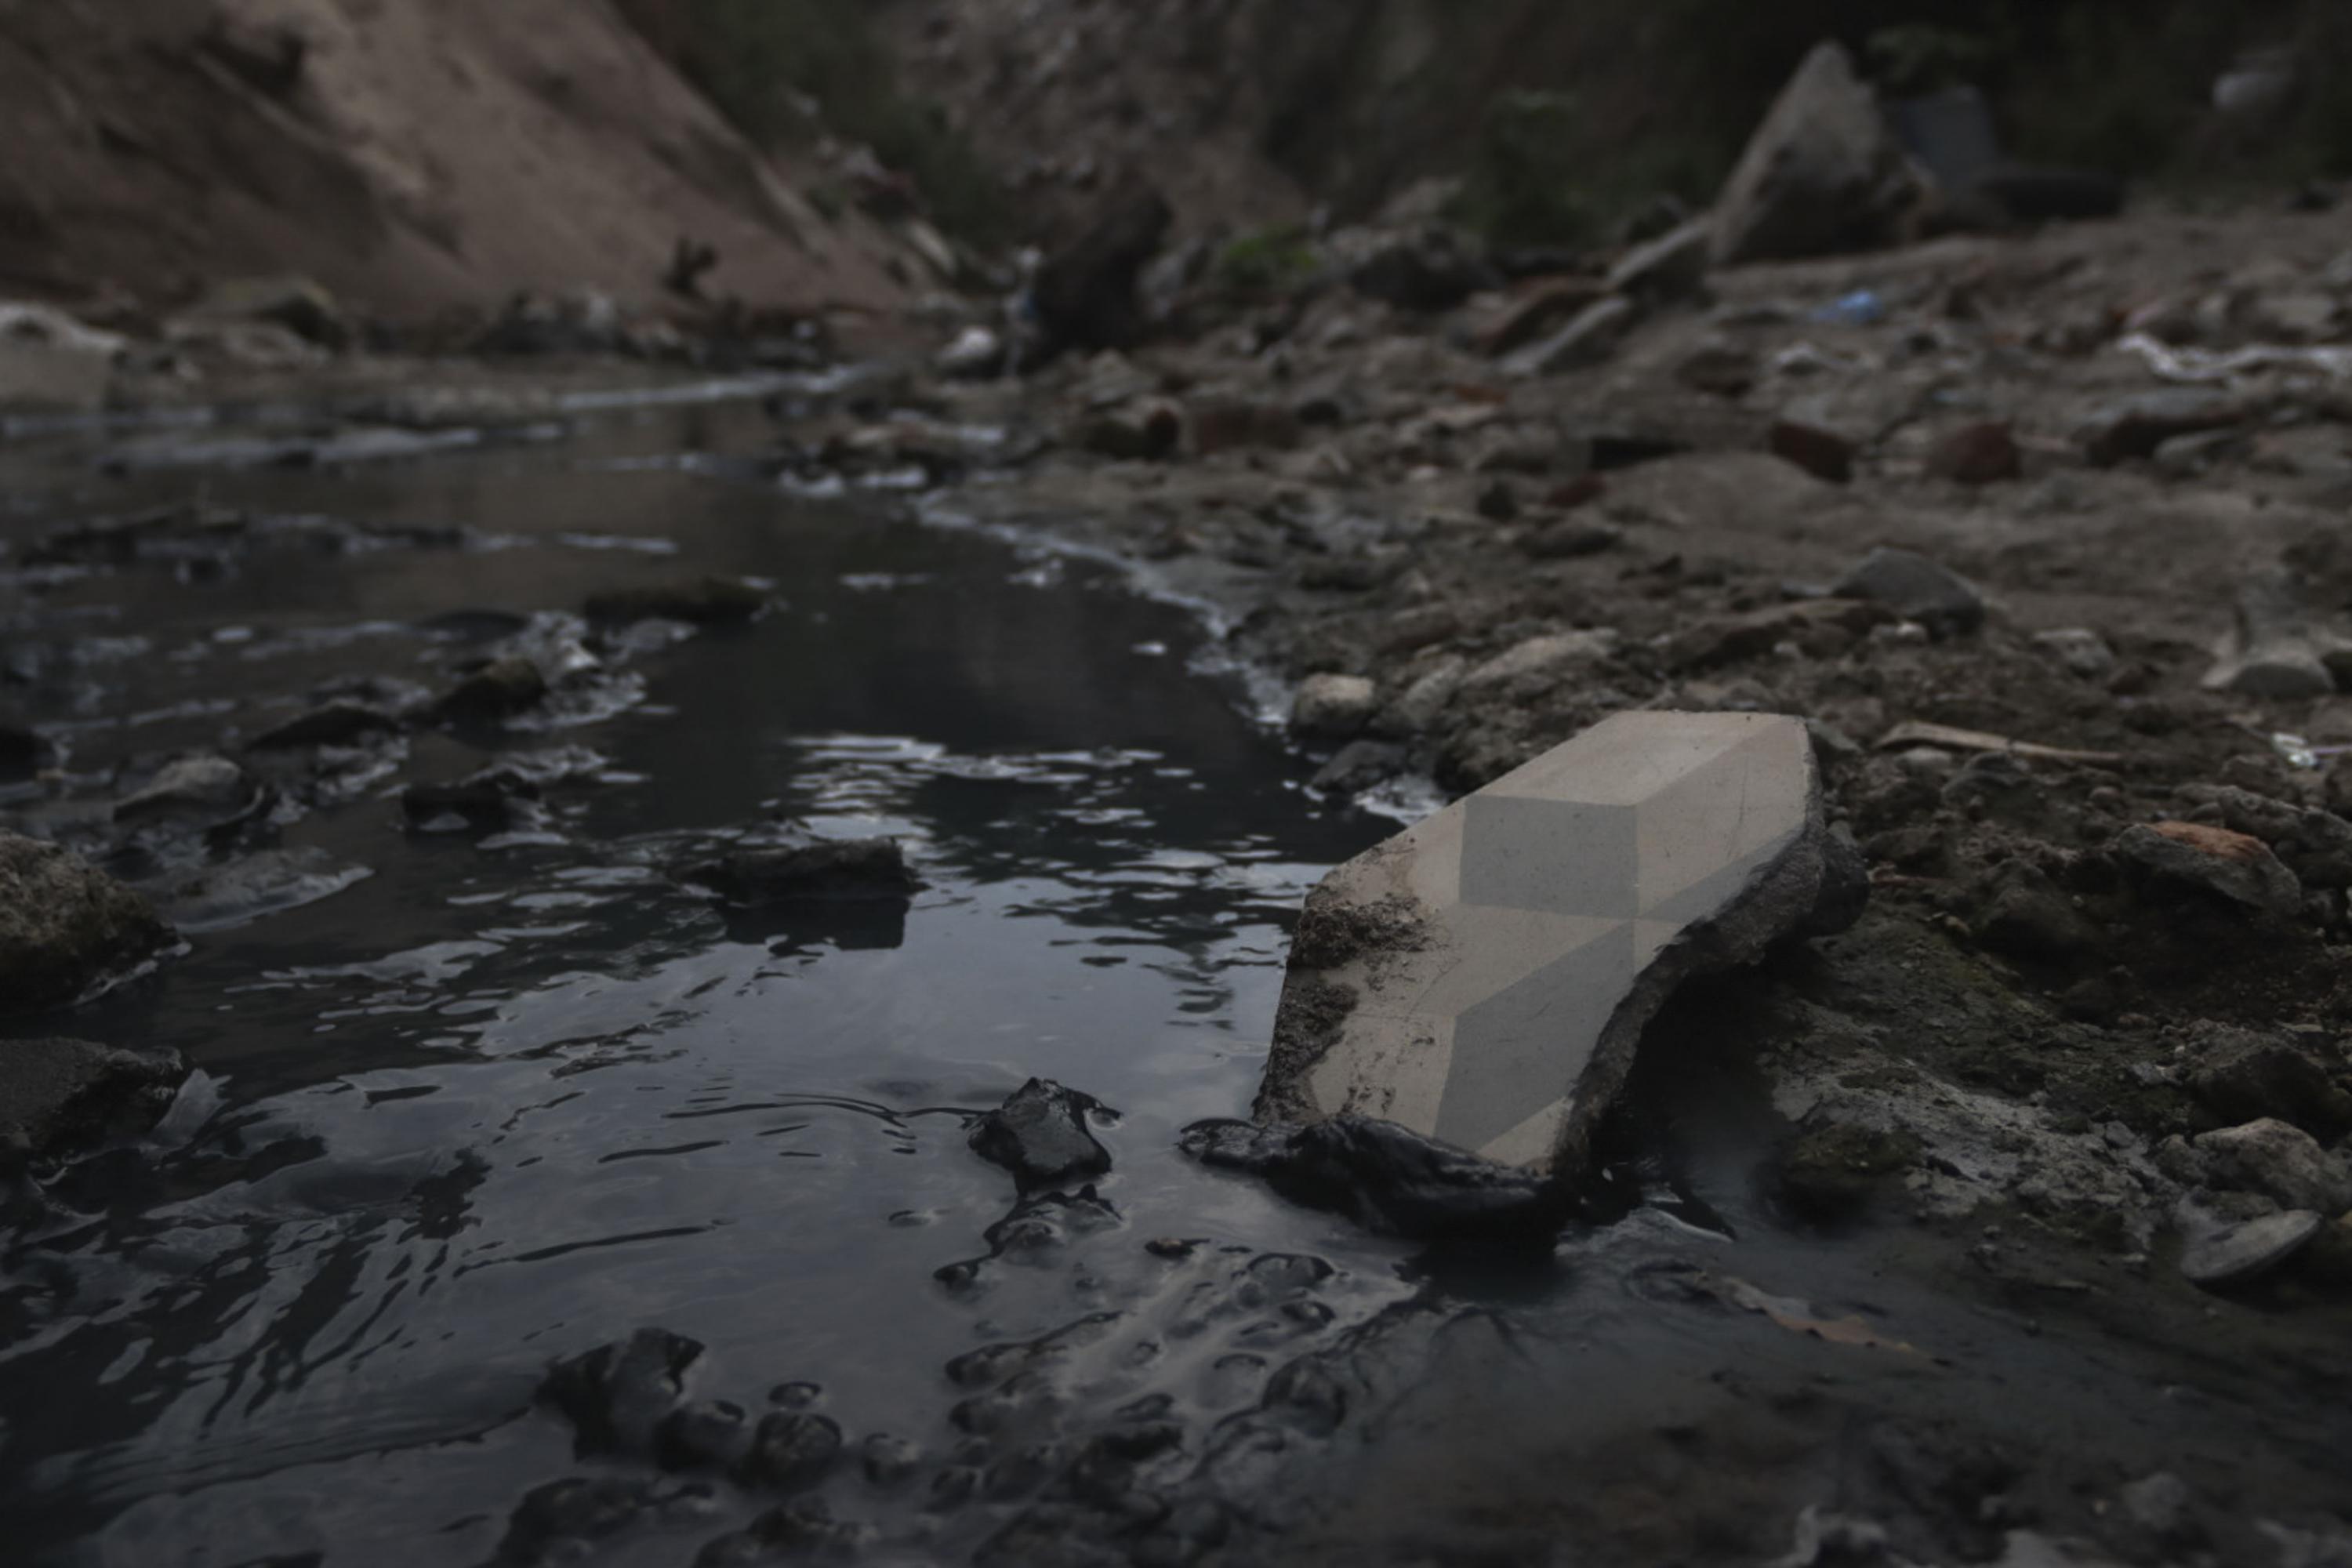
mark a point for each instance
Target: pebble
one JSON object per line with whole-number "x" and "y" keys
{"x": 1980, "y": 454}
{"x": 1916, "y": 588}
{"x": 1333, "y": 707}
{"x": 2232, "y": 865}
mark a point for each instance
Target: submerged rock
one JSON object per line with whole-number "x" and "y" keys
{"x": 64, "y": 925}
{"x": 617, "y": 1397}
{"x": 1483, "y": 977}
{"x": 485, "y": 802}
{"x": 1385, "y": 1177}
{"x": 502, "y": 687}
{"x": 203, "y": 790}
{"x": 833, "y": 868}
{"x": 59, "y": 1095}
{"x": 1040, "y": 1134}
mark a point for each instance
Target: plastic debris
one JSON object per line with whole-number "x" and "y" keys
{"x": 2188, "y": 364}
{"x": 1862, "y": 308}
{"x": 2300, "y": 752}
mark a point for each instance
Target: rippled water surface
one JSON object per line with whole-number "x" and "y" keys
{"x": 502, "y": 1100}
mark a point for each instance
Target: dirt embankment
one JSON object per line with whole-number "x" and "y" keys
{"x": 411, "y": 157}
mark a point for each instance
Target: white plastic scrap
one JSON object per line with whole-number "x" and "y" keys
{"x": 2219, "y": 365}
{"x": 2299, "y": 753}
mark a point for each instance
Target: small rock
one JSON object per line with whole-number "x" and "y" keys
{"x": 707, "y": 1434}
{"x": 500, "y": 688}
{"x": 1569, "y": 539}
{"x": 1041, "y": 1134}
{"x": 702, "y": 602}
{"x": 1725, "y": 369}
{"x": 2243, "y": 1075}
{"x": 1549, "y": 656}
{"x": 617, "y": 1396}
{"x": 297, "y": 304}
{"x": 2158, "y": 1504}
{"x": 2232, "y": 865}
{"x": 2024, "y": 914}
{"x": 2084, "y": 652}
{"x": 1918, "y": 589}
{"x": 1498, "y": 502}
{"x": 1422, "y": 702}
{"x": 791, "y": 1449}
{"x": 828, "y": 869}
{"x": 2280, "y": 1162}
{"x": 58, "y": 1096}
{"x": 205, "y": 790}
{"x": 1333, "y": 707}
{"x": 1820, "y": 451}
{"x": 1358, "y": 766}
{"x": 1832, "y": 1173}
{"x": 2277, "y": 647}
{"x": 487, "y": 802}
{"x": 1138, "y": 433}
{"x": 2136, "y": 427}
{"x": 1431, "y": 270}
{"x": 1824, "y": 173}
{"x": 335, "y": 724}
{"x": 2316, "y": 846}
{"x": 563, "y": 1520}
{"x": 1976, "y": 455}
{"x": 64, "y": 925}
{"x": 49, "y": 360}
{"x": 1706, "y": 644}
{"x": 2222, "y": 1252}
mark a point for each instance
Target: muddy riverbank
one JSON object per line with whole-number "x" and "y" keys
{"x": 1885, "y": 1258}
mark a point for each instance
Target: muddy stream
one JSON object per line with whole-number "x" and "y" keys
{"x": 470, "y": 1102}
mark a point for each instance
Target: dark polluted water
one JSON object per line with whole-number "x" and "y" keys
{"x": 503, "y": 1099}
{"x": 471, "y": 1104}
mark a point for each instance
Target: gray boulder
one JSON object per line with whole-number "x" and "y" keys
{"x": 65, "y": 926}
{"x": 1822, "y": 173}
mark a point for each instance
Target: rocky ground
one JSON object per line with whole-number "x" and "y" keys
{"x": 2042, "y": 536}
